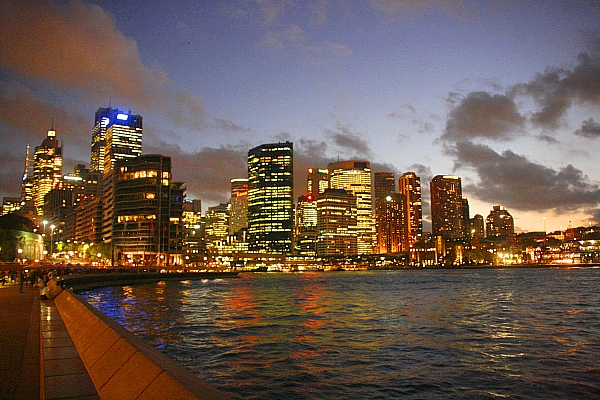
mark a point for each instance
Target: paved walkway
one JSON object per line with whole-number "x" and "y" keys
{"x": 19, "y": 342}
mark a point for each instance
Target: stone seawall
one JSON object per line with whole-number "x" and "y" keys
{"x": 122, "y": 366}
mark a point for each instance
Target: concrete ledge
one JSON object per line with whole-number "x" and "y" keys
{"x": 120, "y": 365}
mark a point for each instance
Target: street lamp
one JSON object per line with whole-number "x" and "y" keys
{"x": 51, "y": 238}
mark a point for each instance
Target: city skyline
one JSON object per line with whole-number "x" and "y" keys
{"x": 487, "y": 93}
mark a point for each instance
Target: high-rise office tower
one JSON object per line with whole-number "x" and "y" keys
{"x": 355, "y": 177}
{"x": 447, "y": 207}
{"x": 194, "y": 243}
{"x": 239, "y": 206}
{"x": 148, "y": 209}
{"x": 270, "y": 198}
{"x": 217, "y": 227}
{"x": 306, "y": 226}
{"x": 115, "y": 135}
{"x": 47, "y": 169}
{"x": 392, "y": 224}
{"x": 385, "y": 184}
{"x": 316, "y": 182}
{"x": 409, "y": 185}
{"x": 499, "y": 224}
{"x": 122, "y": 140}
{"x": 336, "y": 223}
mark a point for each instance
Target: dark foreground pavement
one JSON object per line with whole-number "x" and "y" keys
{"x": 19, "y": 342}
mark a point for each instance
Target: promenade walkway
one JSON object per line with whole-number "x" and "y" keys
{"x": 19, "y": 342}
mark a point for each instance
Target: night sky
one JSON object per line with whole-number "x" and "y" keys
{"x": 505, "y": 94}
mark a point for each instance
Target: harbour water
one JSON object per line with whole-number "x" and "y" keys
{"x": 417, "y": 334}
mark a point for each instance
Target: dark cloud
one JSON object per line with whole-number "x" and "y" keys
{"x": 557, "y": 89}
{"x": 206, "y": 172}
{"x": 408, "y": 113}
{"x": 482, "y": 115}
{"x": 589, "y": 129}
{"x": 547, "y": 138}
{"x": 350, "y": 143}
{"x": 229, "y": 126}
{"x": 78, "y": 47}
{"x": 513, "y": 180}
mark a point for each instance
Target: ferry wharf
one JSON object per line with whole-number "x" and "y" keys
{"x": 78, "y": 353}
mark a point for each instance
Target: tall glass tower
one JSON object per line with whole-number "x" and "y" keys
{"x": 47, "y": 169}
{"x": 409, "y": 185}
{"x": 355, "y": 177}
{"x": 447, "y": 207}
{"x": 270, "y": 198}
{"x": 115, "y": 135}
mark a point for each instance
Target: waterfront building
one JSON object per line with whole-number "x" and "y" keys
{"x": 122, "y": 138}
{"x": 306, "y": 226}
{"x": 355, "y": 177}
{"x": 317, "y": 181}
{"x": 148, "y": 208}
{"x": 392, "y": 224}
{"x": 217, "y": 227}
{"x": 270, "y": 198}
{"x": 337, "y": 215}
{"x": 499, "y": 224}
{"x": 88, "y": 219}
{"x": 47, "y": 170}
{"x": 194, "y": 225}
{"x": 409, "y": 185}
{"x": 238, "y": 219}
{"x": 447, "y": 205}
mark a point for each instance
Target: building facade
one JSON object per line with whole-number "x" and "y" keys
{"x": 317, "y": 181}
{"x": 392, "y": 224}
{"x": 409, "y": 185}
{"x": 447, "y": 207}
{"x": 337, "y": 215}
{"x": 147, "y": 215}
{"x": 270, "y": 198}
{"x": 499, "y": 224}
{"x": 355, "y": 177}
{"x": 239, "y": 206}
{"x": 47, "y": 170}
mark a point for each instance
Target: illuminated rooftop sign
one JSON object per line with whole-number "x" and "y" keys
{"x": 122, "y": 117}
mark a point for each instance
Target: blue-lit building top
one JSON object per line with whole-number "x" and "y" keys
{"x": 116, "y": 135}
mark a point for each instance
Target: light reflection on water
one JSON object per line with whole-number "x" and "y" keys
{"x": 523, "y": 333}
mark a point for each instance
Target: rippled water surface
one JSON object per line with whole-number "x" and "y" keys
{"x": 421, "y": 334}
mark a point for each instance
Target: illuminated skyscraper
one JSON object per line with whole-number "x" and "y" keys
{"x": 217, "y": 227}
{"x": 148, "y": 209}
{"x": 385, "y": 184}
{"x": 270, "y": 198}
{"x": 336, "y": 223}
{"x": 306, "y": 226}
{"x": 409, "y": 184}
{"x": 447, "y": 218}
{"x": 239, "y": 205}
{"x": 392, "y": 224}
{"x": 47, "y": 169}
{"x": 122, "y": 140}
{"x": 317, "y": 181}
{"x": 499, "y": 224}
{"x": 355, "y": 177}
{"x": 123, "y": 137}
{"x": 115, "y": 135}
